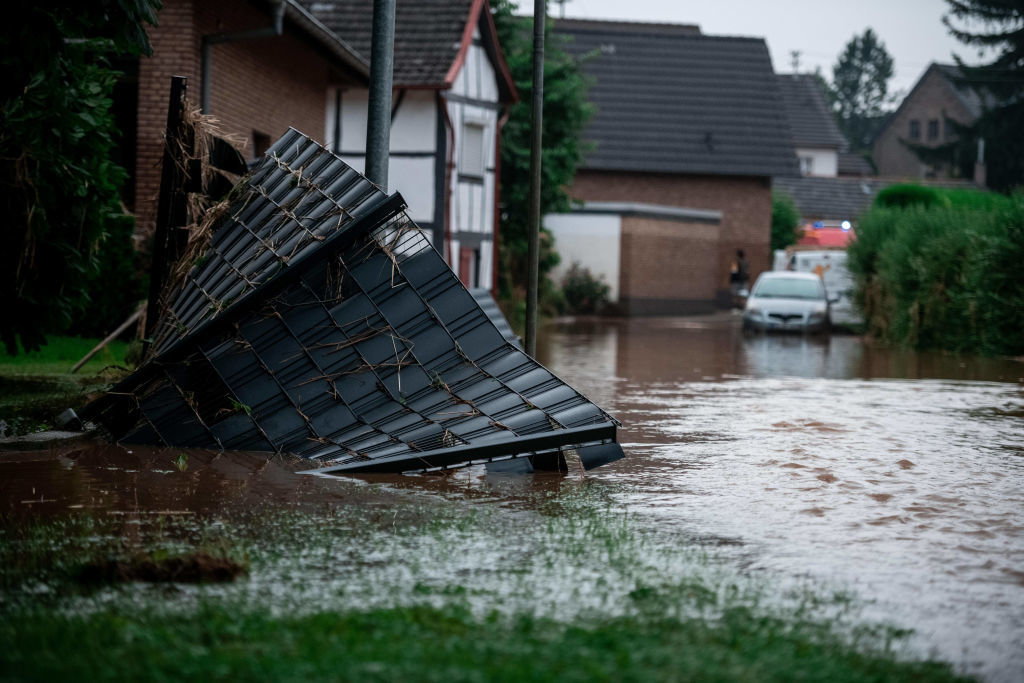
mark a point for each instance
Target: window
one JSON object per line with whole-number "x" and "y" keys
{"x": 933, "y": 129}
{"x": 472, "y": 150}
{"x": 806, "y": 165}
{"x": 915, "y": 129}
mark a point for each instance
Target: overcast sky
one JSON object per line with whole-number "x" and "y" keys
{"x": 912, "y": 30}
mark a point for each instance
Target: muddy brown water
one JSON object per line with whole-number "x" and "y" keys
{"x": 896, "y": 475}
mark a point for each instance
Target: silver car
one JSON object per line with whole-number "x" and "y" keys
{"x": 787, "y": 301}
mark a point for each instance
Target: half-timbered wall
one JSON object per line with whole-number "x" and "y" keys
{"x": 473, "y": 109}
{"x": 421, "y": 141}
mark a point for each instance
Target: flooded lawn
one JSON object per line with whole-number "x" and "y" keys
{"x": 899, "y": 476}
{"x": 813, "y": 488}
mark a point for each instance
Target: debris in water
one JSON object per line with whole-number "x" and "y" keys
{"x": 320, "y": 321}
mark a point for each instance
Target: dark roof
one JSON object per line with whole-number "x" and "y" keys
{"x": 965, "y": 94}
{"x": 853, "y": 163}
{"x": 680, "y": 102}
{"x": 427, "y": 33}
{"x": 843, "y": 198}
{"x": 340, "y": 49}
{"x": 831, "y": 198}
{"x": 430, "y": 37}
{"x": 810, "y": 120}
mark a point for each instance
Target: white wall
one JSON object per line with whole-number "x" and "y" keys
{"x": 824, "y": 162}
{"x": 412, "y": 166}
{"x": 414, "y": 129}
{"x": 593, "y": 240}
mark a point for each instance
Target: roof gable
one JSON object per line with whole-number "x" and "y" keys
{"x": 810, "y": 120}
{"x": 677, "y": 101}
{"x": 431, "y": 37}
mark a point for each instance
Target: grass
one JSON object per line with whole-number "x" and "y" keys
{"x": 423, "y": 643}
{"x": 37, "y": 386}
{"x": 561, "y": 585}
{"x": 59, "y": 355}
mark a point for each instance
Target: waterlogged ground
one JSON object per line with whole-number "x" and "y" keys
{"x": 792, "y": 495}
{"x": 897, "y": 476}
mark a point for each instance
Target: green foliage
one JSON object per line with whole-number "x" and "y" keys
{"x": 860, "y": 88}
{"x": 426, "y": 643}
{"x": 906, "y": 195}
{"x": 566, "y": 111}
{"x": 584, "y": 293}
{"x": 62, "y": 212}
{"x": 993, "y": 26}
{"x": 945, "y": 275}
{"x": 785, "y": 221}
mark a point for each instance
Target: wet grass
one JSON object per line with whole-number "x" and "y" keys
{"x": 562, "y": 585}
{"x": 451, "y": 643}
{"x": 59, "y": 355}
{"x": 37, "y": 386}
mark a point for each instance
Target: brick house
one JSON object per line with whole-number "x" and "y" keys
{"x": 452, "y": 90}
{"x": 923, "y": 119}
{"x": 688, "y": 133}
{"x": 258, "y": 82}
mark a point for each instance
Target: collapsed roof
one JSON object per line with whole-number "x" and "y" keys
{"x": 320, "y": 321}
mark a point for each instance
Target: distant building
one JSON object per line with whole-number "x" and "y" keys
{"x": 452, "y": 89}
{"x": 923, "y": 119}
{"x": 689, "y": 131}
{"x": 816, "y": 136}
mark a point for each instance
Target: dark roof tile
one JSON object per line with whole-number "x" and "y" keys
{"x": 810, "y": 120}
{"x": 427, "y": 33}
{"x": 680, "y": 102}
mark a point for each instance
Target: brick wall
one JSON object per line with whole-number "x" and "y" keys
{"x": 263, "y": 85}
{"x": 931, "y": 100}
{"x": 664, "y": 266}
{"x": 745, "y": 203}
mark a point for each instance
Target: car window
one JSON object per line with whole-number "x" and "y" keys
{"x": 789, "y": 288}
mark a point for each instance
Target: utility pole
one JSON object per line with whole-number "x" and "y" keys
{"x": 378, "y": 117}
{"x": 536, "y": 129}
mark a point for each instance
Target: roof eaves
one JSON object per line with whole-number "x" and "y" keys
{"x": 312, "y": 26}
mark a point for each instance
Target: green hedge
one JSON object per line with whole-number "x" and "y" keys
{"x": 944, "y": 273}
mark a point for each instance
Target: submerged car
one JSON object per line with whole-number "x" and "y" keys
{"x": 787, "y": 301}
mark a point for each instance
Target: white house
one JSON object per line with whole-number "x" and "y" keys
{"x": 452, "y": 90}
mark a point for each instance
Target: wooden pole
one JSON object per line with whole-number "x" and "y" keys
{"x": 110, "y": 337}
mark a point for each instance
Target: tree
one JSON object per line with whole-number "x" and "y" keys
{"x": 860, "y": 88}
{"x": 785, "y": 221}
{"x": 60, "y": 198}
{"x": 995, "y": 27}
{"x": 566, "y": 111}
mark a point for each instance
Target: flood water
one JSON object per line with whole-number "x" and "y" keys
{"x": 893, "y": 475}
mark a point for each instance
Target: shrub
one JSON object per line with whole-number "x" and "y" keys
{"x": 907, "y": 195}
{"x": 943, "y": 276}
{"x": 583, "y": 292}
{"x": 785, "y": 221}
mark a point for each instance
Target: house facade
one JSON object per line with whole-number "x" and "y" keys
{"x": 816, "y": 137}
{"x": 451, "y": 92}
{"x": 688, "y": 132}
{"x": 923, "y": 118}
{"x": 264, "y": 66}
